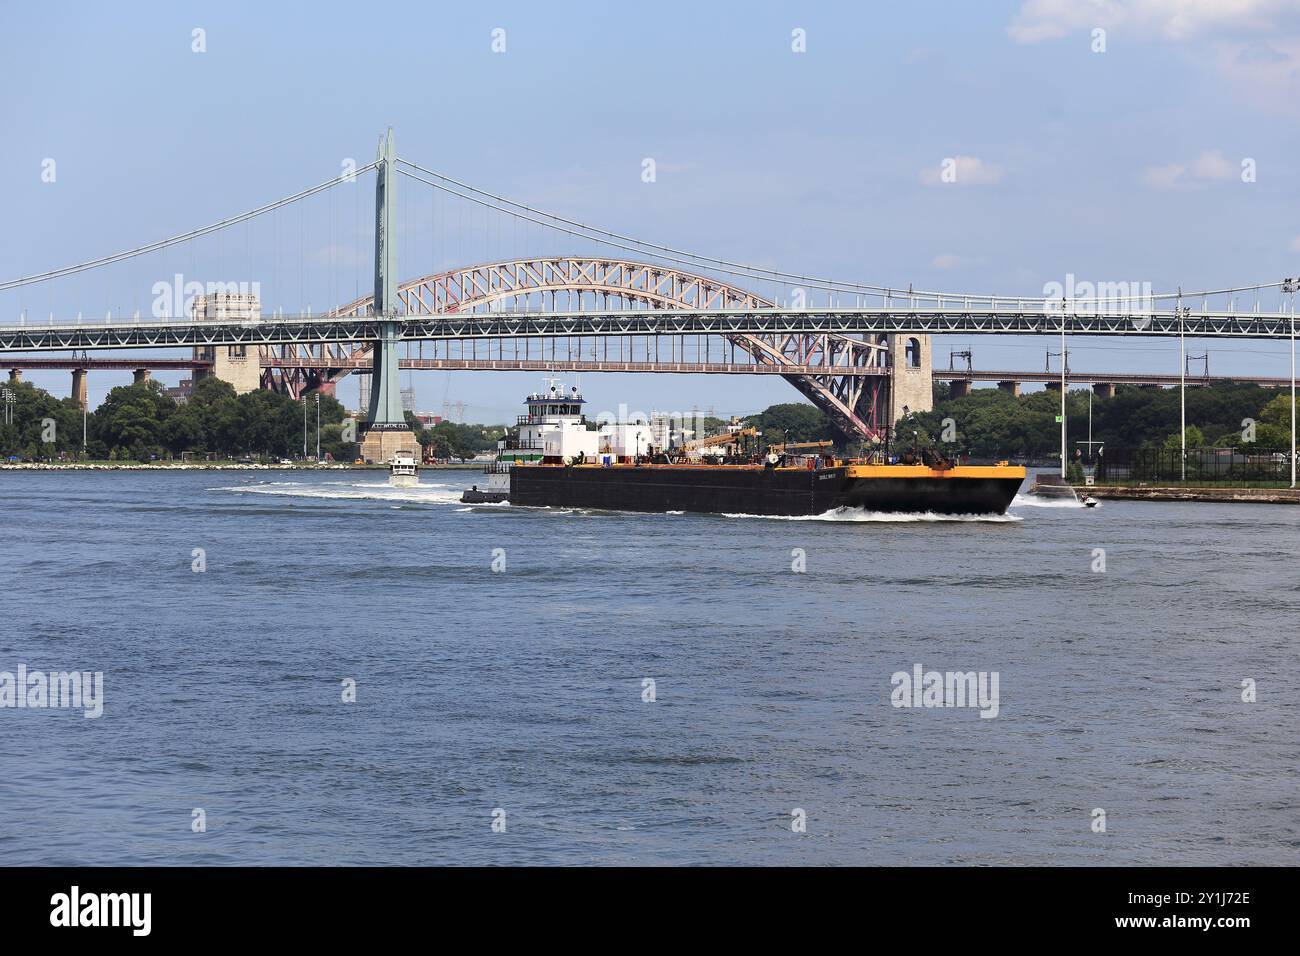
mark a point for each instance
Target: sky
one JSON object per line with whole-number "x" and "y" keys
{"x": 1161, "y": 149}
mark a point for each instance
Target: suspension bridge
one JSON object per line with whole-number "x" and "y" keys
{"x": 859, "y": 352}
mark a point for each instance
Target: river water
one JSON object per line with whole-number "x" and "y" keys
{"x": 519, "y": 696}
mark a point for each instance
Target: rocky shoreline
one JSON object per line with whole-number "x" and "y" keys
{"x": 209, "y": 466}
{"x": 1268, "y": 496}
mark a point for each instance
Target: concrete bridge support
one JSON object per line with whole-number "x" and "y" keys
{"x": 15, "y": 375}
{"x": 141, "y": 376}
{"x": 911, "y": 382}
{"x": 1053, "y": 387}
{"x": 1104, "y": 389}
{"x": 79, "y": 391}
{"x": 1010, "y": 387}
{"x": 386, "y": 431}
{"x": 959, "y": 388}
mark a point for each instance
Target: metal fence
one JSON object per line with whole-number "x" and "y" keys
{"x": 1223, "y": 467}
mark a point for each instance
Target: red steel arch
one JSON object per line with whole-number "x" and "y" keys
{"x": 856, "y": 404}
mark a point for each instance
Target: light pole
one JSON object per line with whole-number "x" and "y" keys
{"x": 1063, "y": 364}
{"x": 318, "y": 427}
{"x": 304, "y": 426}
{"x": 1182, "y": 388}
{"x": 1289, "y": 286}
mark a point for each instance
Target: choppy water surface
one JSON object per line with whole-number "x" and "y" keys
{"x": 522, "y": 690}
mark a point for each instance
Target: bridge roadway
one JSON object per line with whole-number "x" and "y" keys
{"x": 281, "y": 329}
{"x": 361, "y": 365}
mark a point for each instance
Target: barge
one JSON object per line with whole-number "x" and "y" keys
{"x": 556, "y": 459}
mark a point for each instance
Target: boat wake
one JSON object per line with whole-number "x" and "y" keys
{"x": 889, "y": 517}
{"x": 1038, "y": 501}
{"x": 432, "y": 494}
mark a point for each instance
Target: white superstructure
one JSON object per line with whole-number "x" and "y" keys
{"x": 554, "y": 427}
{"x": 403, "y": 470}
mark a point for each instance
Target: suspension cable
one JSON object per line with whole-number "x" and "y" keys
{"x": 192, "y": 234}
{"x": 731, "y": 267}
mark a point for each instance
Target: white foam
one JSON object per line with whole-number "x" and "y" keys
{"x": 888, "y": 517}
{"x": 1037, "y": 501}
{"x": 351, "y": 490}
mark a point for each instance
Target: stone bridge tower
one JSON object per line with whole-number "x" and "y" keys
{"x": 911, "y": 379}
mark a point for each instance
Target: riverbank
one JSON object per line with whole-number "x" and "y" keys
{"x": 211, "y": 466}
{"x": 1268, "y": 496}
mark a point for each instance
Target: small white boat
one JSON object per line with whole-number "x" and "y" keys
{"x": 403, "y": 470}
{"x": 1090, "y": 502}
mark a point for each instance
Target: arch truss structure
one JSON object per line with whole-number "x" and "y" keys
{"x": 856, "y": 403}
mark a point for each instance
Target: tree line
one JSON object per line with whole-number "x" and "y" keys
{"x": 991, "y": 423}
{"x": 143, "y": 423}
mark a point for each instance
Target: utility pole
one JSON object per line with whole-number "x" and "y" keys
{"x": 1063, "y": 364}
{"x": 304, "y": 426}
{"x": 318, "y": 426}
{"x": 1182, "y": 388}
{"x": 1289, "y": 286}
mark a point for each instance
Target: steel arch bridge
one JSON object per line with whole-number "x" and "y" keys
{"x": 857, "y": 404}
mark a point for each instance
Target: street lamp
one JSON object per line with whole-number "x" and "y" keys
{"x": 1288, "y": 288}
{"x": 1064, "y": 362}
{"x": 1182, "y": 387}
{"x": 318, "y": 427}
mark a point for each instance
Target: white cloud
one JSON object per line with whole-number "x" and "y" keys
{"x": 946, "y": 260}
{"x": 1174, "y": 20}
{"x": 1211, "y": 165}
{"x": 962, "y": 170}
{"x": 1263, "y": 73}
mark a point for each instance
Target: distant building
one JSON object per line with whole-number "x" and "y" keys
{"x": 240, "y": 365}
{"x": 181, "y": 393}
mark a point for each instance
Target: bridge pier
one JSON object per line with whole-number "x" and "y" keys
{"x": 79, "y": 390}
{"x": 911, "y": 380}
{"x": 386, "y": 431}
{"x": 1053, "y": 387}
{"x": 1104, "y": 389}
{"x": 141, "y": 376}
{"x": 15, "y": 375}
{"x": 1012, "y": 388}
{"x": 959, "y": 388}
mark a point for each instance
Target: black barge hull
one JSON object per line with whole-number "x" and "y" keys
{"x": 754, "y": 490}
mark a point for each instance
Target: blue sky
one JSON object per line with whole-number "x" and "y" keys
{"x": 1123, "y": 165}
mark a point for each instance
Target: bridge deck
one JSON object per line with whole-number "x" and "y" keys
{"x": 271, "y": 330}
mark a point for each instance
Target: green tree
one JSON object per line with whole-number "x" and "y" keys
{"x": 38, "y": 416}
{"x": 131, "y": 419}
{"x": 1195, "y": 439}
{"x": 791, "y": 422}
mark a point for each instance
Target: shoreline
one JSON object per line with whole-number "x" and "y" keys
{"x": 1267, "y": 496}
{"x": 213, "y": 466}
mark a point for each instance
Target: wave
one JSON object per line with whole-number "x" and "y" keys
{"x": 356, "y": 490}
{"x": 889, "y": 517}
{"x": 1035, "y": 501}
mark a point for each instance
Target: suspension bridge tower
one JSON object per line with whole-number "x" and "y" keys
{"x": 385, "y": 428}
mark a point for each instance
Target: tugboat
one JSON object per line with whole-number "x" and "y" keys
{"x": 553, "y": 429}
{"x": 403, "y": 470}
{"x": 558, "y": 460}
